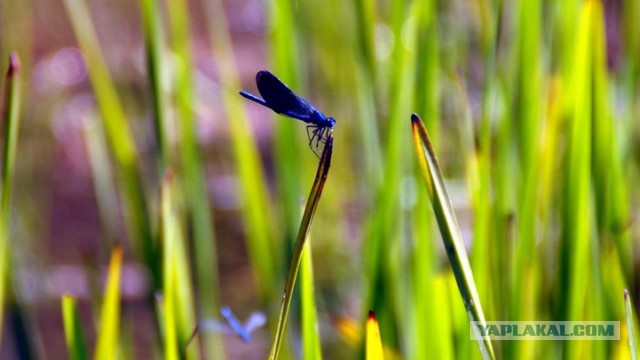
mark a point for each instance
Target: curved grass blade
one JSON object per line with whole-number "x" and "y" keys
{"x": 449, "y": 229}
{"x": 373, "y": 342}
{"x": 72, "y": 330}
{"x": 305, "y": 226}
{"x": 107, "y": 343}
{"x": 631, "y": 332}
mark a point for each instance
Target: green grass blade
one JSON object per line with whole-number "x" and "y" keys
{"x": 310, "y": 333}
{"x": 383, "y": 230}
{"x": 610, "y": 191}
{"x": 449, "y": 229}
{"x": 155, "y": 52}
{"x": 577, "y": 237}
{"x": 284, "y": 47}
{"x": 193, "y": 176}
{"x": 305, "y": 226}
{"x": 109, "y": 329}
{"x": 255, "y": 204}
{"x": 631, "y": 332}
{"x": 73, "y": 329}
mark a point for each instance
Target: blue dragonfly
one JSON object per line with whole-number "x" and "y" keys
{"x": 279, "y": 98}
{"x": 232, "y": 325}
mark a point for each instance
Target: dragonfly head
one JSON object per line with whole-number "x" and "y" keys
{"x": 332, "y": 121}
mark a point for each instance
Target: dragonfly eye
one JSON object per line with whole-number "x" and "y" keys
{"x": 332, "y": 121}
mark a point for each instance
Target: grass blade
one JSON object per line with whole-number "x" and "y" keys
{"x": 72, "y": 329}
{"x": 23, "y": 339}
{"x": 10, "y": 119}
{"x": 373, "y": 342}
{"x": 154, "y": 49}
{"x": 449, "y": 229}
{"x": 255, "y": 204}
{"x": 107, "y": 342}
{"x": 178, "y": 303}
{"x": 305, "y": 226}
{"x": 119, "y": 136}
{"x": 192, "y": 174}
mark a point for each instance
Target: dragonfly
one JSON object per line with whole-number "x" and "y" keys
{"x": 278, "y": 97}
{"x": 255, "y": 320}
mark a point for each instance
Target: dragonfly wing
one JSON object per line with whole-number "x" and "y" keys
{"x": 255, "y": 321}
{"x": 280, "y": 98}
{"x": 254, "y": 98}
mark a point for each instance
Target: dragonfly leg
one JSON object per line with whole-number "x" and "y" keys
{"x": 311, "y": 135}
{"x": 320, "y": 138}
{"x": 314, "y": 136}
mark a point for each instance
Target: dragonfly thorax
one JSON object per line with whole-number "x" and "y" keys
{"x": 319, "y": 119}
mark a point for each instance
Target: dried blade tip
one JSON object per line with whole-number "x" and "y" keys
{"x": 415, "y": 117}
{"x": 14, "y": 63}
{"x": 372, "y": 315}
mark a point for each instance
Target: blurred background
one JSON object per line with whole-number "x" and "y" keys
{"x": 132, "y": 132}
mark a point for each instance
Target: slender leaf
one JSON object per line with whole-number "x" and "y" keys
{"x": 305, "y": 226}
{"x": 109, "y": 330}
{"x": 374, "y": 342}
{"x": 449, "y": 229}
{"x": 73, "y": 329}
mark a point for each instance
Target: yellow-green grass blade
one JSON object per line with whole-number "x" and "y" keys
{"x": 580, "y": 277}
{"x": 73, "y": 333}
{"x": 118, "y": 133}
{"x": 631, "y": 332}
{"x": 373, "y": 341}
{"x": 107, "y": 345}
{"x": 192, "y": 172}
{"x": 261, "y": 243}
{"x": 179, "y": 320}
{"x": 310, "y": 331}
{"x": 11, "y": 122}
{"x": 305, "y": 226}
{"x": 449, "y": 229}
